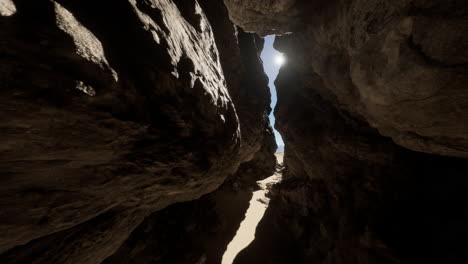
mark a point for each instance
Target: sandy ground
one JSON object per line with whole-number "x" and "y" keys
{"x": 279, "y": 157}
{"x": 258, "y": 205}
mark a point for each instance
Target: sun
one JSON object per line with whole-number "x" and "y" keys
{"x": 279, "y": 59}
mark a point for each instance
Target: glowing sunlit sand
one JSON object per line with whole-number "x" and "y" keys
{"x": 273, "y": 60}
{"x": 7, "y": 8}
{"x": 258, "y": 205}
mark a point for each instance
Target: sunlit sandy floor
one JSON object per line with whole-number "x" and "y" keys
{"x": 258, "y": 205}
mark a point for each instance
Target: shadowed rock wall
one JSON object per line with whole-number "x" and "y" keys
{"x": 372, "y": 106}
{"x": 380, "y": 61}
{"x": 113, "y": 110}
{"x": 199, "y": 231}
{"x": 117, "y": 116}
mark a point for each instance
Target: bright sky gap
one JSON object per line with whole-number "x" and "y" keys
{"x": 272, "y": 61}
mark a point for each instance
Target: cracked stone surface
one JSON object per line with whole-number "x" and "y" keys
{"x": 112, "y": 111}
{"x": 372, "y": 107}
{"x": 130, "y": 127}
{"x": 399, "y": 65}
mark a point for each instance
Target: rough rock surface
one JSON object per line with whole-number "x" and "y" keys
{"x": 373, "y": 107}
{"x": 247, "y": 82}
{"x": 199, "y": 231}
{"x": 113, "y": 110}
{"x": 400, "y": 65}
{"x": 349, "y": 195}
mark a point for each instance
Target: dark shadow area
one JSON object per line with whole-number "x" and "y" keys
{"x": 350, "y": 195}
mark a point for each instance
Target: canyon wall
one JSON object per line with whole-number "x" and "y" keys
{"x": 117, "y": 115}
{"x": 134, "y": 130}
{"x": 373, "y": 107}
{"x": 199, "y": 231}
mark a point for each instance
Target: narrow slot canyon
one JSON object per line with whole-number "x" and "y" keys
{"x": 272, "y": 60}
{"x": 233, "y": 131}
{"x": 257, "y": 207}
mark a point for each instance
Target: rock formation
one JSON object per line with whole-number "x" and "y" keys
{"x": 114, "y": 110}
{"x": 380, "y": 61}
{"x": 373, "y": 108}
{"x": 133, "y": 131}
{"x": 199, "y": 231}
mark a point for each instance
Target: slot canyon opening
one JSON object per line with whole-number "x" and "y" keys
{"x": 272, "y": 62}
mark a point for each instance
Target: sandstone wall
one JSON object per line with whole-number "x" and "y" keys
{"x": 199, "y": 231}
{"x": 373, "y": 107}
{"x": 114, "y": 110}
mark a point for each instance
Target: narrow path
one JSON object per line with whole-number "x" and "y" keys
{"x": 258, "y": 205}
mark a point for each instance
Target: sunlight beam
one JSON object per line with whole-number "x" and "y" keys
{"x": 280, "y": 59}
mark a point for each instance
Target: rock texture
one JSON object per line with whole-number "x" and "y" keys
{"x": 199, "y": 231}
{"x": 114, "y": 110}
{"x": 130, "y": 127}
{"x": 400, "y": 65}
{"x": 372, "y": 106}
{"x": 349, "y": 195}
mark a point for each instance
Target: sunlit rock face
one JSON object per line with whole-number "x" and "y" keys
{"x": 199, "y": 231}
{"x": 114, "y": 110}
{"x": 372, "y": 106}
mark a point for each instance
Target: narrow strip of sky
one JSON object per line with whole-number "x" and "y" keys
{"x": 272, "y": 61}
